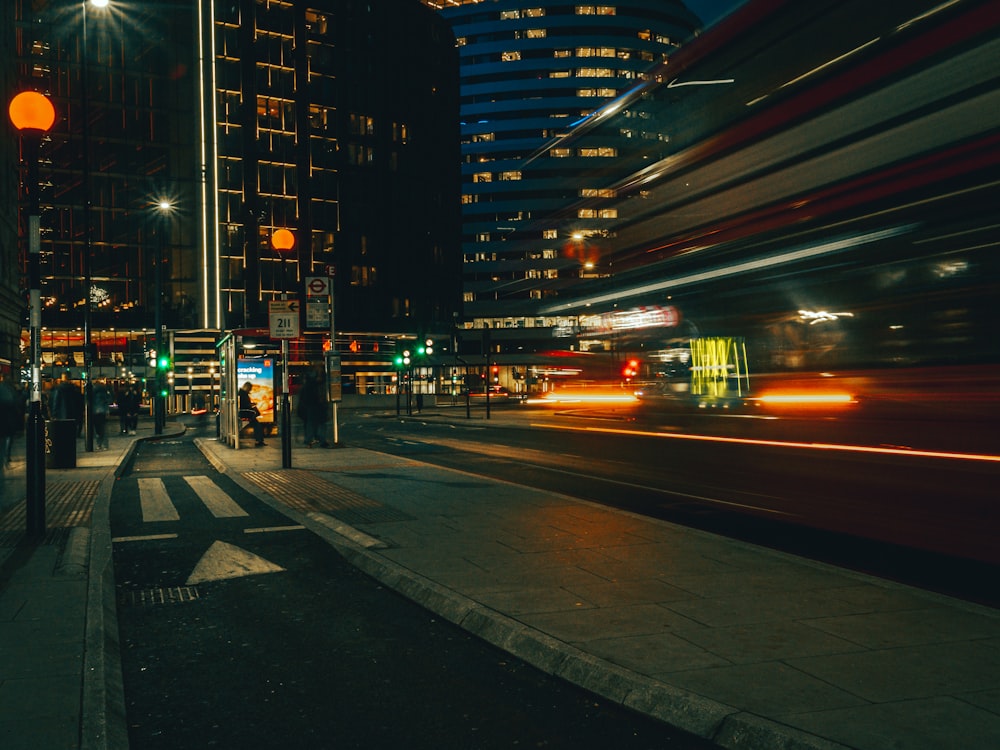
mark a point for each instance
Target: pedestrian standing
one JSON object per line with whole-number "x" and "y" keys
{"x": 66, "y": 402}
{"x": 128, "y": 404}
{"x": 9, "y": 410}
{"x": 312, "y": 408}
{"x": 101, "y": 400}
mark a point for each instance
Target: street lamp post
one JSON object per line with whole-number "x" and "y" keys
{"x": 159, "y": 403}
{"x": 283, "y": 241}
{"x": 33, "y": 115}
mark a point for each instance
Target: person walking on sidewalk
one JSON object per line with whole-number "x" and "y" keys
{"x": 101, "y": 406}
{"x": 67, "y": 403}
{"x": 128, "y": 410}
{"x": 11, "y": 418}
{"x": 312, "y": 408}
{"x": 250, "y": 412}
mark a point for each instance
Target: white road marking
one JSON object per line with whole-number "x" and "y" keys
{"x": 223, "y": 561}
{"x": 146, "y": 538}
{"x": 155, "y": 502}
{"x": 215, "y": 499}
{"x": 267, "y": 529}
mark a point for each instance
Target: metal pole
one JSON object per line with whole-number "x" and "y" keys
{"x": 286, "y": 412}
{"x": 88, "y": 391}
{"x": 35, "y": 447}
{"x": 335, "y": 373}
{"x": 158, "y": 405}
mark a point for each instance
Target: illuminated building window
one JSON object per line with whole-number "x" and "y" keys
{"x": 483, "y": 137}
{"x": 483, "y": 237}
{"x": 562, "y": 53}
{"x": 513, "y": 174}
{"x": 482, "y": 177}
{"x": 586, "y": 10}
{"x": 534, "y": 12}
{"x": 362, "y": 124}
{"x": 461, "y": 41}
{"x": 316, "y": 23}
{"x": 606, "y": 10}
{"x": 586, "y": 213}
{"x": 561, "y": 152}
{"x": 600, "y": 151}
{"x": 506, "y": 15}
{"x": 363, "y": 275}
{"x": 646, "y": 35}
{"x": 549, "y": 254}
{"x": 468, "y": 297}
{"x": 584, "y": 51}
{"x": 595, "y": 73}
{"x": 550, "y": 234}
{"x": 607, "y": 93}
{"x": 597, "y": 193}
{"x": 510, "y": 56}
{"x": 608, "y": 213}
{"x": 400, "y": 132}
{"x": 470, "y": 198}
{"x": 535, "y": 33}
{"x": 559, "y": 74}
{"x": 586, "y": 93}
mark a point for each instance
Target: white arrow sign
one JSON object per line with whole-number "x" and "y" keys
{"x": 223, "y": 561}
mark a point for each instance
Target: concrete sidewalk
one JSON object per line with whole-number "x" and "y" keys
{"x": 748, "y": 647}
{"x": 60, "y": 675}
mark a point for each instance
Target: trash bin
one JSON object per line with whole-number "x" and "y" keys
{"x": 60, "y": 444}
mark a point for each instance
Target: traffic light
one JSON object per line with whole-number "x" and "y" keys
{"x": 631, "y": 369}
{"x": 164, "y": 363}
{"x": 495, "y": 372}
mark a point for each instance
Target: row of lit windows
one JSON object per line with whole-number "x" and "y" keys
{"x": 510, "y": 175}
{"x": 588, "y": 152}
{"x": 365, "y": 125}
{"x": 561, "y": 54}
{"x": 581, "y": 10}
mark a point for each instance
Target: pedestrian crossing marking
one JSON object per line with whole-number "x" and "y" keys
{"x": 215, "y": 499}
{"x": 223, "y": 561}
{"x": 155, "y": 502}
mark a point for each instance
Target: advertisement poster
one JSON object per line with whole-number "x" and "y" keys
{"x": 260, "y": 372}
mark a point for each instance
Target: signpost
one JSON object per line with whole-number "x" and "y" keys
{"x": 283, "y": 315}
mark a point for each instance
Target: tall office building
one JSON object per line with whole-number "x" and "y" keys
{"x": 338, "y": 120}
{"x": 188, "y": 132}
{"x": 539, "y": 157}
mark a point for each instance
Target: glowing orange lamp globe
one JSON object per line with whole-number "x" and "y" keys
{"x": 30, "y": 110}
{"x": 283, "y": 240}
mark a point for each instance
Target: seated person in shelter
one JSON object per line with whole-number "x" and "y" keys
{"x": 250, "y": 412}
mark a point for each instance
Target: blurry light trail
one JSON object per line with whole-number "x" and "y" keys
{"x": 806, "y": 398}
{"x": 780, "y": 443}
{"x": 573, "y": 397}
{"x": 675, "y": 84}
{"x": 810, "y": 251}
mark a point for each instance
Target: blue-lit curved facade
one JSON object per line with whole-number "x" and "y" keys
{"x": 537, "y": 159}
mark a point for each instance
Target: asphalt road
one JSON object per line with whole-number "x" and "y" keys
{"x": 242, "y": 631}
{"x": 923, "y": 519}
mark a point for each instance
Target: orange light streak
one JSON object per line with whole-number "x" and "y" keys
{"x": 806, "y": 398}
{"x": 910, "y": 452}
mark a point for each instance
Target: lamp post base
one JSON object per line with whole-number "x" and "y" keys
{"x": 35, "y": 466}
